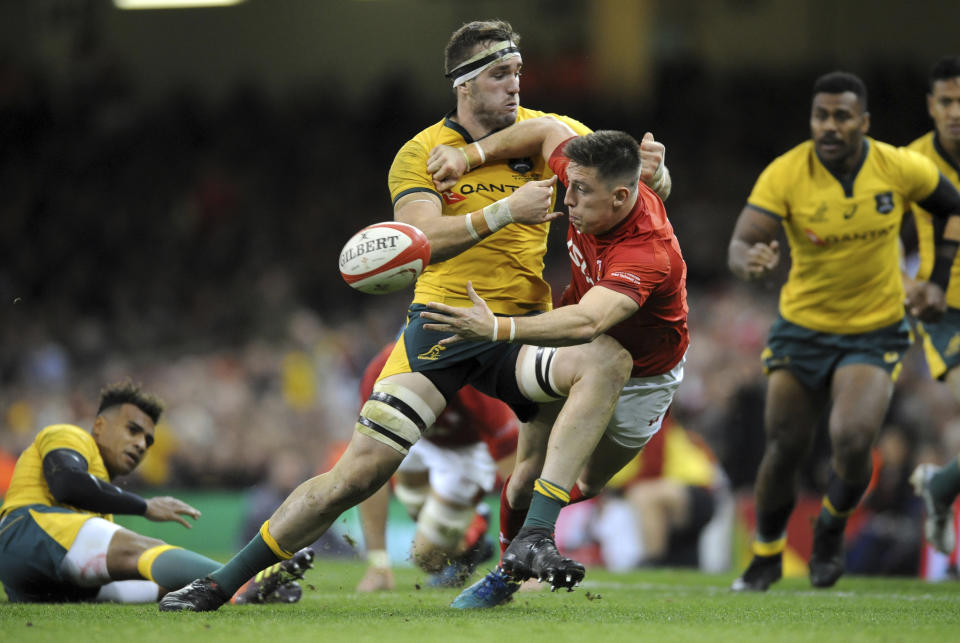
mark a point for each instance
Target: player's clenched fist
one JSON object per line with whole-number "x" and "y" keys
{"x": 446, "y": 165}
{"x": 167, "y": 508}
{"x": 530, "y": 204}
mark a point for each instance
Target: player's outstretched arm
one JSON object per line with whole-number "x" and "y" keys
{"x": 754, "y": 251}
{"x": 451, "y": 235}
{"x": 170, "y": 509}
{"x": 599, "y": 310}
{"x": 534, "y": 136}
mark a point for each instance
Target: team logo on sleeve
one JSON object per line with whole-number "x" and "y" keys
{"x": 884, "y": 202}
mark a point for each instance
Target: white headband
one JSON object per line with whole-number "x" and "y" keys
{"x": 474, "y": 66}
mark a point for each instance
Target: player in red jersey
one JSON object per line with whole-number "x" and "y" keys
{"x": 628, "y": 281}
{"x": 441, "y": 482}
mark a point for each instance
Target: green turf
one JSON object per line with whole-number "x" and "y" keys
{"x": 662, "y": 605}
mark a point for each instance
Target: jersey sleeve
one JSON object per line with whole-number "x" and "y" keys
{"x": 769, "y": 192}
{"x": 66, "y": 436}
{"x": 635, "y": 272}
{"x": 919, "y": 174}
{"x": 558, "y": 161}
{"x": 408, "y": 172}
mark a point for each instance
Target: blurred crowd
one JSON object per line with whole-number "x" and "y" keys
{"x": 192, "y": 246}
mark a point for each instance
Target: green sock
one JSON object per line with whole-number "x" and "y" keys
{"x": 945, "y": 483}
{"x": 548, "y": 500}
{"x": 175, "y": 568}
{"x": 840, "y": 500}
{"x": 250, "y": 560}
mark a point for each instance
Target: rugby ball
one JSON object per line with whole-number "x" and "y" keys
{"x": 384, "y": 257}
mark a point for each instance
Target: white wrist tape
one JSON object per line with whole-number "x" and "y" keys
{"x": 498, "y": 214}
{"x": 481, "y": 154}
{"x": 470, "y": 229}
{"x": 496, "y": 327}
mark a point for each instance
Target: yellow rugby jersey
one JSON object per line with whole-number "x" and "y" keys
{"x": 929, "y": 146}
{"x": 506, "y": 267}
{"x": 29, "y": 487}
{"x": 845, "y": 273}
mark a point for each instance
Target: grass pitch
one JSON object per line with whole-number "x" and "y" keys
{"x": 659, "y": 605}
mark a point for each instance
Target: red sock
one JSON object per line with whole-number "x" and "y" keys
{"x": 476, "y": 530}
{"x": 511, "y": 520}
{"x": 576, "y": 495}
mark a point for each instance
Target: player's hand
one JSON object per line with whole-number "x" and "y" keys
{"x": 166, "y": 508}
{"x": 926, "y": 301}
{"x": 652, "y": 156}
{"x": 377, "y": 579}
{"x": 446, "y": 165}
{"x": 530, "y": 204}
{"x": 472, "y": 324}
{"x": 761, "y": 259}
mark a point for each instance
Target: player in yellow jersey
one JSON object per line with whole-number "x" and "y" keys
{"x": 490, "y": 228}
{"x": 939, "y": 487}
{"x": 58, "y": 541}
{"x": 841, "y": 334}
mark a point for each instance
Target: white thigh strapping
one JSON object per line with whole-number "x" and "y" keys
{"x": 641, "y": 407}
{"x": 85, "y": 565}
{"x": 129, "y": 591}
{"x": 457, "y": 474}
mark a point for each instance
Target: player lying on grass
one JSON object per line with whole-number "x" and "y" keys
{"x": 440, "y": 483}
{"x": 58, "y": 541}
{"x": 628, "y": 282}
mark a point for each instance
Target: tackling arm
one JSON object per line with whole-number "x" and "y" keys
{"x": 599, "y": 310}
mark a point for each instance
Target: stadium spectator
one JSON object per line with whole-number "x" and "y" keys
{"x": 841, "y": 334}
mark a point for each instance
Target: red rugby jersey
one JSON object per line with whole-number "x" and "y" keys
{"x": 469, "y": 418}
{"x": 640, "y": 258}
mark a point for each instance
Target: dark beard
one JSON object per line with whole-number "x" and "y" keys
{"x": 493, "y": 122}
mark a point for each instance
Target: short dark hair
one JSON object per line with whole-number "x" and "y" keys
{"x": 461, "y": 43}
{"x": 126, "y": 392}
{"x": 838, "y": 82}
{"x": 615, "y": 155}
{"x": 944, "y": 69}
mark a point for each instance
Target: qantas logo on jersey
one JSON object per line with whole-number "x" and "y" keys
{"x": 830, "y": 239}
{"x": 496, "y": 188}
{"x": 452, "y": 197}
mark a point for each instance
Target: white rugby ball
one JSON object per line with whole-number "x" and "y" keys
{"x": 384, "y": 257}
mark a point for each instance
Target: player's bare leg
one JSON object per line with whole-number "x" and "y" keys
{"x": 791, "y": 417}
{"x": 861, "y": 396}
{"x": 592, "y": 376}
{"x": 314, "y": 505}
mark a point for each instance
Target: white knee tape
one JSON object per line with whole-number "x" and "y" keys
{"x": 85, "y": 564}
{"x": 395, "y": 415}
{"x": 129, "y": 591}
{"x": 442, "y": 524}
{"x": 535, "y": 374}
{"x": 412, "y": 498}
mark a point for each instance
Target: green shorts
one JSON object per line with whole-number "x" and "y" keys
{"x": 813, "y": 356}
{"x": 490, "y": 367}
{"x": 30, "y": 561}
{"x": 941, "y": 343}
